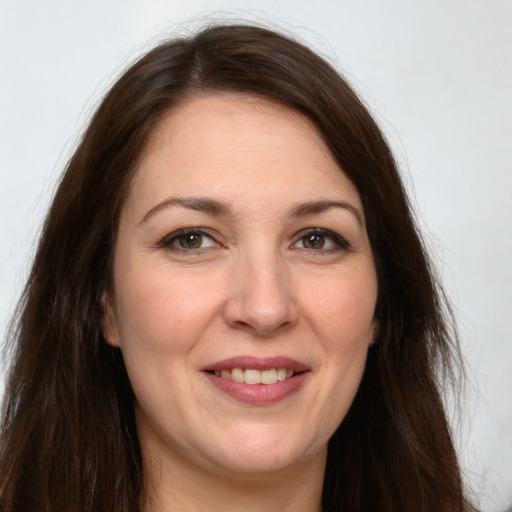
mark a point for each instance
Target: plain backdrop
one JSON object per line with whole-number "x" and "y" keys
{"x": 438, "y": 76}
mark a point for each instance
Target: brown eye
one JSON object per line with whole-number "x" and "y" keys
{"x": 191, "y": 241}
{"x": 188, "y": 240}
{"x": 321, "y": 240}
{"x": 313, "y": 241}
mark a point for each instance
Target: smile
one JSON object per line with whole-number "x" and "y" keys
{"x": 258, "y": 380}
{"x": 253, "y": 376}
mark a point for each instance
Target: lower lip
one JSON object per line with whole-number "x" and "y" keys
{"x": 259, "y": 394}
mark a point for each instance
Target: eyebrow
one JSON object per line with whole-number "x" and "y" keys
{"x": 219, "y": 209}
{"x": 312, "y": 207}
{"x": 202, "y": 204}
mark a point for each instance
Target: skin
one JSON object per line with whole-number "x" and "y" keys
{"x": 252, "y": 287}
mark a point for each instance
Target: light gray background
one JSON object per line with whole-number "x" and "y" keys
{"x": 438, "y": 75}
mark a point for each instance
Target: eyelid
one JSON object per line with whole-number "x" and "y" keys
{"x": 337, "y": 239}
{"x": 167, "y": 241}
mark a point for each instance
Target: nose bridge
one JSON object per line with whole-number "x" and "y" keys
{"x": 261, "y": 299}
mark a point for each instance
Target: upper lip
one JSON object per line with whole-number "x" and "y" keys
{"x": 257, "y": 363}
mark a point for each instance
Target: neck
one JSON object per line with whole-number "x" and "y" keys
{"x": 188, "y": 489}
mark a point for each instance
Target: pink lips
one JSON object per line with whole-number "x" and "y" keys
{"x": 257, "y": 363}
{"x": 258, "y": 394}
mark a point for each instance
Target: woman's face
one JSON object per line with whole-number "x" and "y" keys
{"x": 241, "y": 257}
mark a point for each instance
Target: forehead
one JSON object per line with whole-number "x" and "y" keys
{"x": 231, "y": 144}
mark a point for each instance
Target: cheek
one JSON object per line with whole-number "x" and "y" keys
{"x": 161, "y": 318}
{"x": 342, "y": 308}
{"x": 339, "y": 309}
{"x": 341, "y": 313}
{"x": 162, "y": 310}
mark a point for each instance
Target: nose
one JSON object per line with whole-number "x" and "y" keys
{"x": 260, "y": 299}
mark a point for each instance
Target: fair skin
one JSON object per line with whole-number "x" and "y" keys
{"x": 274, "y": 273}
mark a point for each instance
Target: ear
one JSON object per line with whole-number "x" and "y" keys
{"x": 108, "y": 322}
{"x": 374, "y": 332}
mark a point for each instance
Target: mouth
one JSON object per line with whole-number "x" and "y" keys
{"x": 258, "y": 381}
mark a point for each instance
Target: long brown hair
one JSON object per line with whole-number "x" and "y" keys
{"x": 68, "y": 439}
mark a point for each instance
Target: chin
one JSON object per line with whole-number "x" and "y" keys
{"x": 263, "y": 464}
{"x": 260, "y": 453}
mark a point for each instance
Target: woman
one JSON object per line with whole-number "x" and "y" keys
{"x": 230, "y": 307}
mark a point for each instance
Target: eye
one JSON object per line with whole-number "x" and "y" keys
{"x": 314, "y": 241}
{"x": 188, "y": 240}
{"x": 320, "y": 240}
{"x": 194, "y": 241}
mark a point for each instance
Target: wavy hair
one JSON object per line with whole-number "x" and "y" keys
{"x": 68, "y": 437}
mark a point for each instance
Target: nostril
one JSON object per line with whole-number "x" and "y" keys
{"x": 261, "y": 329}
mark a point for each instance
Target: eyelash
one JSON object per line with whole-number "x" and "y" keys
{"x": 338, "y": 241}
{"x": 167, "y": 242}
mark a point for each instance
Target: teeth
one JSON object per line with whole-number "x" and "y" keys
{"x": 250, "y": 376}
{"x": 269, "y": 376}
{"x": 237, "y": 374}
